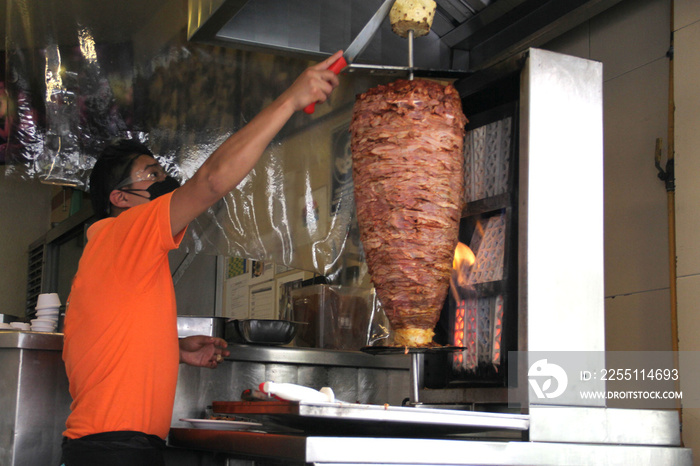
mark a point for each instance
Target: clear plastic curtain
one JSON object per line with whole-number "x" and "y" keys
{"x": 76, "y": 81}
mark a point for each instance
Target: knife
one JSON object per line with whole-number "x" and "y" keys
{"x": 358, "y": 44}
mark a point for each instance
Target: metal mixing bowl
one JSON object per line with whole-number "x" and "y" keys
{"x": 261, "y": 331}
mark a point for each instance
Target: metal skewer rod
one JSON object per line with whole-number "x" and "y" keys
{"x": 416, "y": 375}
{"x": 410, "y": 54}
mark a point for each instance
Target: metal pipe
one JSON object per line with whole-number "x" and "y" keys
{"x": 667, "y": 175}
{"x": 416, "y": 376}
{"x": 671, "y": 200}
{"x": 410, "y": 54}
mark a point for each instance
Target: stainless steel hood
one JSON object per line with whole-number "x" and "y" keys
{"x": 467, "y": 35}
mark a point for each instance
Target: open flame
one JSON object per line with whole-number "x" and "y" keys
{"x": 463, "y": 256}
{"x": 478, "y": 313}
{"x": 463, "y": 260}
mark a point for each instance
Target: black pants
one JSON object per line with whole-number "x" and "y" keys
{"x": 114, "y": 449}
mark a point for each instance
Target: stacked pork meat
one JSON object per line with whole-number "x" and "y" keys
{"x": 407, "y": 140}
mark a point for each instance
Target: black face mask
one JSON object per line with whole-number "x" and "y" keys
{"x": 157, "y": 189}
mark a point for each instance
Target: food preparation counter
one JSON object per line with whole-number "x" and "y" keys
{"x": 329, "y": 450}
{"x": 354, "y": 376}
{"x": 317, "y": 357}
{"x": 31, "y": 340}
{"x": 34, "y": 397}
{"x": 337, "y": 433}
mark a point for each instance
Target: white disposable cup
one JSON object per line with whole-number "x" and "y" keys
{"x": 48, "y": 313}
{"x": 20, "y": 325}
{"x": 43, "y": 329}
{"x": 41, "y": 321}
{"x": 47, "y": 321}
{"x": 44, "y": 323}
{"x": 48, "y": 300}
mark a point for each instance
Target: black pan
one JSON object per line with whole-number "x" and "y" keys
{"x": 261, "y": 331}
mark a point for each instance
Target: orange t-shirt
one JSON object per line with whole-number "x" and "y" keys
{"x": 120, "y": 336}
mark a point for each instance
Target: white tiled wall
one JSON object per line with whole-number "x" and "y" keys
{"x": 687, "y": 127}
{"x": 686, "y": 12}
{"x": 687, "y": 79}
{"x": 638, "y": 322}
{"x": 636, "y": 212}
{"x": 630, "y": 35}
{"x": 631, "y": 40}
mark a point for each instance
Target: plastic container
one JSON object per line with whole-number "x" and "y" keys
{"x": 337, "y": 317}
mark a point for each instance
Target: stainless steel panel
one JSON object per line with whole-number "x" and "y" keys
{"x": 334, "y": 450}
{"x": 313, "y": 376}
{"x": 561, "y": 213}
{"x": 614, "y": 426}
{"x": 396, "y": 451}
{"x": 198, "y": 387}
{"x": 312, "y": 356}
{"x": 35, "y": 403}
{"x": 437, "y": 452}
{"x": 372, "y": 388}
{"x": 248, "y": 366}
{"x": 343, "y": 381}
{"x": 374, "y": 420}
{"x": 561, "y": 301}
{"x": 278, "y": 372}
{"x": 200, "y": 325}
{"x": 467, "y": 37}
{"x": 31, "y": 340}
{"x": 308, "y": 29}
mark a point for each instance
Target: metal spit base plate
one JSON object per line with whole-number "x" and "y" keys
{"x": 318, "y": 418}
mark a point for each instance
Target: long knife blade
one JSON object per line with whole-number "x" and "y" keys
{"x": 365, "y": 36}
{"x": 359, "y": 43}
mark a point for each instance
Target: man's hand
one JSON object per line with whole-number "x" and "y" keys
{"x": 203, "y": 351}
{"x": 315, "y": 84}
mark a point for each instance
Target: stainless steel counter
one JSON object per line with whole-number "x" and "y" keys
{"x": 31, "y": 340}
{"x": 353, "y": 376}
{"x": 298, "y": 449}
{"x": 335, "y": 436}
{"x": 34, "y": 398}
{"x": 317, "y": 357}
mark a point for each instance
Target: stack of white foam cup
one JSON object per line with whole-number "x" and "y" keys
{"x": 47, "y": 310}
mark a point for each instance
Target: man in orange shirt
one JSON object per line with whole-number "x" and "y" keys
{"x": 121, "y": 349}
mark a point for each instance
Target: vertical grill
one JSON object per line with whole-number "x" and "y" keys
{"x": 481, "y": 313}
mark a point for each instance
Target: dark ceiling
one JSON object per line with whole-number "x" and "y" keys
{"x": 466, "y": 35}
{"x": 473, "y": 33}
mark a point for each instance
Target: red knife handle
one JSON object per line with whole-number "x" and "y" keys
{"x": 336, "y": 67}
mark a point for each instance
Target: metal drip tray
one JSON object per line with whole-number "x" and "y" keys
{"x": 333, "y": 419}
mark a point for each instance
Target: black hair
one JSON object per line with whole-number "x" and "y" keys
{"x": 112, "y": 167}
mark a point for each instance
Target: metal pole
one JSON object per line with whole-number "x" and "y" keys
{"x": 416, "y": 377}
{"x": 410, "y": 54}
